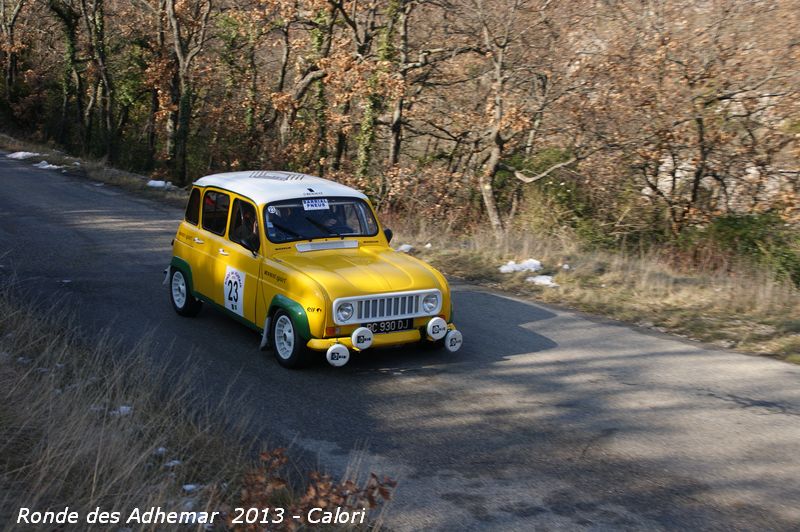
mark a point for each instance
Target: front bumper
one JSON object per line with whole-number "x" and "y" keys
{"x": 379, "y": 340}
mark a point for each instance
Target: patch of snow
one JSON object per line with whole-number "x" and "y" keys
{"x": 530, "y": 265}
{"x": 76, "y": 163}
{"x": 173, "y": 463}
{"x": 566, "y": 267}
{"x": 24, "y": 360}
{"x": 428, "y": 245}
{"x": 405, "y": 248}
{"x": 189, "y": 488}
{"x": 161, "y": 451}
{"x": 65, "y": 281}
{"x": 157, "y": 183}
{"x": 542, "y": 280}
{"x": 21, "y": 155}
{"x": 44, "y": 165}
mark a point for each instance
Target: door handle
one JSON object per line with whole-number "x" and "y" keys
{"x": 223, "y": 252}
{"x": 198, "y": 241}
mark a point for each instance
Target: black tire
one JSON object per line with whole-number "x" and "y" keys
{"x": 289, "y": 349}
{"x": 180, "y": 295}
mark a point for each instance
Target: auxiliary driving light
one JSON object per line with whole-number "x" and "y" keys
{"x": 337, "y": 355}
{"x": 436, "y": 328}
{"x": 362, "y": 338}
{"x": 453, "y": 341}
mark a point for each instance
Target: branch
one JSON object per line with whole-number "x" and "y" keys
{"x": 530, "y": 179}
{"x": 303, "y": 85}
{"x": 423, "y": 59}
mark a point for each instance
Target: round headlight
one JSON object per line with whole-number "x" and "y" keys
{"x": 430, "y": 302}
{"x": 344, "y": 312}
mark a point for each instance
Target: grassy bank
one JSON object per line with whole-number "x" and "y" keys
{"x": 89, "y": 425}
{"x": 95, "y": 170}
{"x": 742, "y": 308}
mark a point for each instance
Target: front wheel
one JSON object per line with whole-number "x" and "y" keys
{"x": 182, "y": 300}
{"x": 287, "y": 344}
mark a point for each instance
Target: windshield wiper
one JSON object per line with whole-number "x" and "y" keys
{"x": 323, "y": 227}
{"x": 287, "y": 230}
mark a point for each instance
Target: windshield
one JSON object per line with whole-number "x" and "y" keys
{"x": 306, "y": 219}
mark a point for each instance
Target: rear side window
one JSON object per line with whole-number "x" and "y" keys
{"x": 193, "y": 207}
{"x": 215, "y": 211}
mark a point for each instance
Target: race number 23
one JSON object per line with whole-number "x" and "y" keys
{"x": 233, "y": 287}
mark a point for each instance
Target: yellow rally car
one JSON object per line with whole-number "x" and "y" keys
{"x": 303, "y": 261}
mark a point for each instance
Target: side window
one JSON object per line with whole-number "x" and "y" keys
{"x": 193, "y": 207}
{"x": 215, "y": 211}
{"x": 244, "y": 225}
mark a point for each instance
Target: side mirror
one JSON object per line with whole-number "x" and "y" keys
{"x": 389, "y": 234}
{"x": 251, "y": 244}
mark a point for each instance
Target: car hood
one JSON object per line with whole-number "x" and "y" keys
{"x": 361, "y": 271}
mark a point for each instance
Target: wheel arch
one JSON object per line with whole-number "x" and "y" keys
{"x": 293, "y": 309}
{"x": 178, "y": 263}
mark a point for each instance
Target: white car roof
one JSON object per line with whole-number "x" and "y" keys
{"x": 263, "y": 186}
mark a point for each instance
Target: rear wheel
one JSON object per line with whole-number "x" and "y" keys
{"x": 287, "y": 344}
{"x": 182, "y": 300}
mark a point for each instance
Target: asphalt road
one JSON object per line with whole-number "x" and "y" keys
{"x": 544, "y": 420}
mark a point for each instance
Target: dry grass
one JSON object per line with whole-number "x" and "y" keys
{"x": 86, "y": 426}
{"x": 96, "y": 171}
{"x": 101, "y": 425}
{"x": 746, "y": 310}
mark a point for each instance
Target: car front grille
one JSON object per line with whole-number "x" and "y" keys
{"x": 397, "y": 305}
{"x": 387, "y": 307}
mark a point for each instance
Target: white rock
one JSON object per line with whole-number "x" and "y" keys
{"x": 405, "y": 248}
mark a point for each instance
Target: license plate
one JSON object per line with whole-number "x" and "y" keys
{"x": 388, "y": 326}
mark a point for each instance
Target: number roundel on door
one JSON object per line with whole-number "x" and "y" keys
{"x": 233, "y": 287}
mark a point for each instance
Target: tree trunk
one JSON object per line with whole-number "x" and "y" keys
{"x": 487, "y": 190}
{"x": 9, "y": 58}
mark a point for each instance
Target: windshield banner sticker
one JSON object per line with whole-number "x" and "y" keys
{"x": 315, "y": 204}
